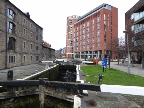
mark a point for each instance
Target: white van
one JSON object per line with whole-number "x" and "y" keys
{"x": 62, "y": 60}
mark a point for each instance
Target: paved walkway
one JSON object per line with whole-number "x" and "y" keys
{"x": 136, "y": 70}
{"x": 22, "y": 71}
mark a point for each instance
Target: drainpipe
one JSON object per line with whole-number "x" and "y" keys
{"x": 6, "y": 34}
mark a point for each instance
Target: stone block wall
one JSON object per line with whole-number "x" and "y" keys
{"x": 26, "y": 32}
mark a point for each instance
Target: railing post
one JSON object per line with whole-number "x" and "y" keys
{"x": 42, "y": 91}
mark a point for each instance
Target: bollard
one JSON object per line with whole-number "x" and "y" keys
{"x": 100, "y": 76}
{"x": 10, "y": 75}
{"x": 10, "y": 78}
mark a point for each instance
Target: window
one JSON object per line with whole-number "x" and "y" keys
{"x": 36, "y": 47}
{"x": 36, "y": 37}
{"x": 24, "y": 58}
{"x": 11, "y": 14}
{"x": 98, "y": 19}
{"x": 31, "y": 46}
{"x": 11, "y": 59}
{"x": 24, "y": 20}
{"x": 31, "y": 58}
{"x": 93, "y": 21}
{"x": 104, "y": 16}
{"x": 31, "y": 34}
{"x": 11, "y": 43}
{"x": 24, "y": 30}
{"x": 30, "y": 25}
{"x": 132, "y": 28}
{"x": 37, "y": 30}
{"x": 24, "y": 44}
{"x": 104, "y": 45}
{"x": 11, "y": 27}
{"x": 37, "y": 58}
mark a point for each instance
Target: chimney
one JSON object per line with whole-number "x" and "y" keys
{"x": 28, "y": 15}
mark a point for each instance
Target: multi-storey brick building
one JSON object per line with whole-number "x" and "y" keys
{"x": 20, "y": 37}
{"x": 134, "y": 25}
{"x": 70, "y": 35}
{"x": 94, "y": 32}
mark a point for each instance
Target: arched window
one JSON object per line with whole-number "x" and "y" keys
{"x": 11, "y": 43}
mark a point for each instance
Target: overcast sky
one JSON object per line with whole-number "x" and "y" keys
{"x": 51, "y": 15}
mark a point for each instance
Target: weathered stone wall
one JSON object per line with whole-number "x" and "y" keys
{"x": 48, "y": 53}
{"x": 137, "y": 99}
{"x": 26, "y": 30}
{"x": 2, "y": 34}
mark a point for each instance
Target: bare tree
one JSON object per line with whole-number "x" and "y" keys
{"x": 118, "y": 47}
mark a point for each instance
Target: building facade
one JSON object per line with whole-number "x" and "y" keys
{"x": 94, "y": 32}
{"x": 70, "y": 35}
{"x": 47, "y": 52}
{"x": 134, "y": 25}
{"x": 20, "y": 37}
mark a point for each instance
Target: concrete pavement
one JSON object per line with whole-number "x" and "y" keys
{"x": 22, "y": 71}
{"x": 136, "y": 70}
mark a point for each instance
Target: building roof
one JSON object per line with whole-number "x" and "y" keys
{"x": 137, "y": 5}
{"x": 92, "y": 11}
{"x": 45, "y": 44}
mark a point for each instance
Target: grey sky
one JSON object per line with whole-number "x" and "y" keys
{"x": 51, "y": 15}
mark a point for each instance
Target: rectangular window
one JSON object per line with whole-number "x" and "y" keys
{"x": 104, "y": 17}
{"x": 98, "y": 19}
{"x": 132, "y": 28}
{"x": 31, "y": 58}
{"x": 104, "y": 45}
{"x": 24, "y": 30}
{"x": 11, "y": 14}
{"x": 36, "y": 37}
{"x": 11, "y": 27}
{"x": 24, "y": 58}
{"x": 30, "y": 25}
{"x": 31, "y": 46}
{"x": 11, "y": 43}
{"x": 37, "y": 30}
{"x": 36, "y": 47}
{"x": 11, "y": 59}
{"x": 24, "y": 20}
{"x": 31, "y": 34}
{"x": 37, "y": 58}
{"x": 24, "y": 44}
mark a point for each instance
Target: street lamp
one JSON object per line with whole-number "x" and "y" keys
{"x": 126, "y": 32}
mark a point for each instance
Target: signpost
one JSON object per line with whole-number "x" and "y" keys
{"x": 104, "y": 63}
{"x": 108, "y": 62}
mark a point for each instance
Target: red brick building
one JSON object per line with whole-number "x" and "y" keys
{"x": 94, "y": 32}
{"x": 70, "y": 35}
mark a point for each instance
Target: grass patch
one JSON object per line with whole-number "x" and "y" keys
{"x": 111, "y": 76}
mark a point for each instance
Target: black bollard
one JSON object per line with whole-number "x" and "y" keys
{"x": 10, "y": 75}
{"x": 100, "y": 76}
{"x": 10, "y": 78}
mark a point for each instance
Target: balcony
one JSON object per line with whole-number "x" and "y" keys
{"x": 138, "y": 17}
{"x": 139, "y": 29}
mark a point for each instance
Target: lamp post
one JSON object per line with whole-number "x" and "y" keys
{"x": 126, "y": 32}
